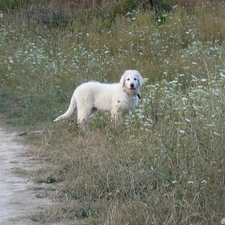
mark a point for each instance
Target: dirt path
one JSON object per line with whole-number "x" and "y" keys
{"x": 18, "y": 194}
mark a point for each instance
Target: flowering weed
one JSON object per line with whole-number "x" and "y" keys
{"x": 165, "y": 164}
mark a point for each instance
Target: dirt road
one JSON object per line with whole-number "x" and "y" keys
{"x": 18, "y": 194}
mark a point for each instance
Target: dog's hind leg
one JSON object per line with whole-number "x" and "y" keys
{"x": 83, "y": 117}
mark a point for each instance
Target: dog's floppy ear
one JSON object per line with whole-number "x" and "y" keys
{"x": 122, "y": 79}
{"x": 140, "y": 80}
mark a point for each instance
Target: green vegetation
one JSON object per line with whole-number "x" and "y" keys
{"x": 166, "y": 163}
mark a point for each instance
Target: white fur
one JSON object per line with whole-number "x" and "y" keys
{"x": 114, "y": 98}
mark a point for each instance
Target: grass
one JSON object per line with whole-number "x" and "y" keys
{"x": 165, "y": 164}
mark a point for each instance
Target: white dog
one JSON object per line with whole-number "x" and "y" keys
{"x": 114, "y": 98}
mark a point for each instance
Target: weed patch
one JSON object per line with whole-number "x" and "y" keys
{"x": 165, "y": 163}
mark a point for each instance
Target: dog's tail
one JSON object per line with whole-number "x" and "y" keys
{"x": 72, "y": 106}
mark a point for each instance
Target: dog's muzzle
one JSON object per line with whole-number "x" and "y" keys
{"x": 132, "y": 88}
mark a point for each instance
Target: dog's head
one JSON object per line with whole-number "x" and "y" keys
{"x": 131, "y": 81}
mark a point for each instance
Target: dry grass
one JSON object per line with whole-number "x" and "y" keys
{"x": 165, "y": 164}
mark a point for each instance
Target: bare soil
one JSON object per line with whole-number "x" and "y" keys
{"x": 20, "y": 198}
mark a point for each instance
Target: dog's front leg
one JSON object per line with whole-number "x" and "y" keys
{"x": 116, "y": 116}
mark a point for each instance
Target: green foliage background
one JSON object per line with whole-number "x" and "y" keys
{"x": 165, "y": 163}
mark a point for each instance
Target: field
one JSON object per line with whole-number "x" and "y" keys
{"x": 166, "y": 163}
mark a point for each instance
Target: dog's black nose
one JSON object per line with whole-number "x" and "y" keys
{"x": 132, "y": 85}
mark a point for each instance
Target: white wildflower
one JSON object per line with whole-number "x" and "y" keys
{"x": 173, "y": 82}
{"x": 190, "y": 182}
{"x": 217, "y": 134}
{"x": 222, "y": 75}
{"x": 187, "y": 120}
{"x": 222, "y": 221}
{"x": 11, "y": 60}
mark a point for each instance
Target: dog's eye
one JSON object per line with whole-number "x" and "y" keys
{"x": 128, "y": 79}
{"x": 135, "y": 78}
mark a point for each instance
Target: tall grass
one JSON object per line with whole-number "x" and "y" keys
{"x": 165, "y": 164}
